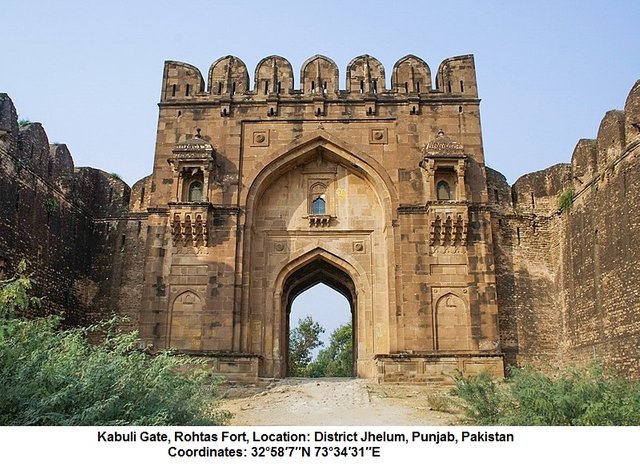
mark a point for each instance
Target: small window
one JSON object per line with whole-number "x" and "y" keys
{"x": 195, "y": 191}
{"x": 318, "y": 206}
{"x": 443, "y": 191}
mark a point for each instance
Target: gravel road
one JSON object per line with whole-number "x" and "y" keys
{"x": 329, "y": 401}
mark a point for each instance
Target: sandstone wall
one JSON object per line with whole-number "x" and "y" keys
{"x": 49, "y": 213}
{"x": 601, "y": 252}
{"x": 569, "y": 281}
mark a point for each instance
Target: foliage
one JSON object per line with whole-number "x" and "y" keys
{"x": 302, "y": 341}
{"x": 115, "y": 175}
{"x": 483, "y": 398}
{"x": 565, "y": 199}
{"x": 51, "y": 205}
{"x": 14, "y": 293}
{"x": 24, "y": 122}
{"x": 585, "y": 396}
{"x": 56, "y": 377}
{"x": 337, "y": 359}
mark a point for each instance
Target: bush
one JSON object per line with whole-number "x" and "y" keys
{"x": 565, "y": 199}
{"x": 585, "y": 396}
{"x": 56, "y": 377}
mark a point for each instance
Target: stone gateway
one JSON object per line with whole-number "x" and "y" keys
{"x": 258, "y": 194}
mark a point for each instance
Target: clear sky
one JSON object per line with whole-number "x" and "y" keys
{"x": 91, "y": 71}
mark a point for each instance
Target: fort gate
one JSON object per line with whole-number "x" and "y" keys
{"x": 380, "y": 193}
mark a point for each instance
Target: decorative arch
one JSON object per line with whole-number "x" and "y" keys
{"x": 443, "y": 191}
{"x": 303, "y": 272}
{"x": 305, "y": 256}
{"x": 359, "y": 161}
{"x": 452, "y": 323}
{"x": 185, "y": 328}
{"x": 262, "y": 323}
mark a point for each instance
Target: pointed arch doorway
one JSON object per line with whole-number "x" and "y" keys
{"x": 319, "y": 271}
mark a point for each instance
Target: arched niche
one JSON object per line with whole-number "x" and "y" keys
{"x": 185, "y": 332}
{"x": 452, "y": 324}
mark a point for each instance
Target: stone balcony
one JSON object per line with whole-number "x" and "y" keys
{"x": 190, "y": 223}
{"x": 448, "y": 223}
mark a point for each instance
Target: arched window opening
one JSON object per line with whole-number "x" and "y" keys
{"x": 319, "y": 206}
{"x": 329, "y": 325}
{"x": 443, "y": 191}
{"x": 195, "y": 191}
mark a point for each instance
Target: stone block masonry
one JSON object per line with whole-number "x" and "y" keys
{"x": 257, "y": 194}
{"x": 62, "y": 220}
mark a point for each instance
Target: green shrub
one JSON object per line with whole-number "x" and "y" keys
{"x": 575, "y": 396}
{"x": 484, "y": 399}
{"x": 56, "y": 377}
{"x": 565, "y": 199}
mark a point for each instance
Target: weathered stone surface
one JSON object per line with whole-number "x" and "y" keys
{"x": 568, "y": 283}
{"x": 257, "y": 195}
{"x": 60, "y": 219}
{"x": 360, "y": 188}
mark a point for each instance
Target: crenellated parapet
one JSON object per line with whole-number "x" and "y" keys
{"x": 228, "y": 80}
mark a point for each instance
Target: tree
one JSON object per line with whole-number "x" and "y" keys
{"x": 302, "y": 341}
{"x": 337, "y": 359}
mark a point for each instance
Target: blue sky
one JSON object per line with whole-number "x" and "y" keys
{"x": 91, "y": 71}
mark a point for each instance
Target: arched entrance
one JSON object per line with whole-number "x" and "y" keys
{"x": 307, "y": 276}
{"x": 293, "y": 241}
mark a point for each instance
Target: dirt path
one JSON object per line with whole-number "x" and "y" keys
{"x": 329, "y": 401}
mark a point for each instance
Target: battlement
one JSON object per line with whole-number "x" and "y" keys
{"x": 228, "y": 81}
